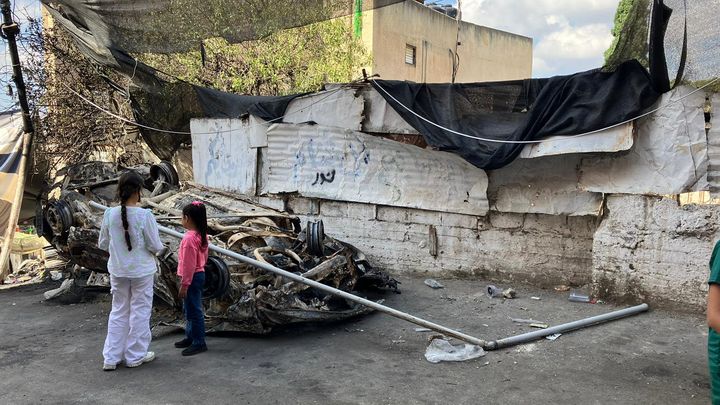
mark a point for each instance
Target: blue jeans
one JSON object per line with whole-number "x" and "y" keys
{"x": 195, "y": 325}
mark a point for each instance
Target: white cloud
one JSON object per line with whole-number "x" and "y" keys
{"x": 568, "y": 35}
{"x": 585, "y": 42}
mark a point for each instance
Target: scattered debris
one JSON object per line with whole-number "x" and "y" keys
{"x": 553, "y": 337}
{"x": 494, "y": 292}
{"x": 578, "y": 297}
{"x": 520, "y": 320}
{"x": 510, "y": 293}
{"x": 98, "y": 280}
{"x": 442, "y": 350}
{"x": 433, "y": 283}
{"x": 535, "y": 298}
{"x": 64, "y": 287}
{"x": 56, "y": 275}
{"x": 562, "y": 288}
{"x": 398, "y": 341}
{"x": 539, "y": 325}
{"x": 423, "y": 330}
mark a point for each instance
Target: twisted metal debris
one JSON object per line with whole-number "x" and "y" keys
{"x": 237, "y": 297}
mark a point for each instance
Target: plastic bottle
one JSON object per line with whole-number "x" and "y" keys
{"x": 577, "y": 297}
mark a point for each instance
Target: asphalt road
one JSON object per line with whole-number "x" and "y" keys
{"x": 51, "y": 354}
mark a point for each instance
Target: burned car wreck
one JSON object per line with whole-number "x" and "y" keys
{"x": 237, "y": 296}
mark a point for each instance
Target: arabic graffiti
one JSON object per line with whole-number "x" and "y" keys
{"x": 322, "y": 178}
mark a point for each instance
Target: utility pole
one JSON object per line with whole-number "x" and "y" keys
{"x": 9, "y": 30}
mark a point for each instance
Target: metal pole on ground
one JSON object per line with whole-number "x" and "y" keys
{"x": 566, "y": 327}
{"x": 312, "y": 283}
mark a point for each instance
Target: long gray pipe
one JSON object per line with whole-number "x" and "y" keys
{"x": 566, "y": 327}
{"x": 328, "y": 289}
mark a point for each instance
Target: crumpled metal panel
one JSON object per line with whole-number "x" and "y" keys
{"x": 222, "y": 153}
{"x": 611, "y": 140}
{"x": 546, "y": 185}
{"x": 335, "y": 108}
{"x": 339, "y": 164}
{"x": 670, "y": 155}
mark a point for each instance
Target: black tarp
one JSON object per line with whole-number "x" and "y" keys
{"x": 157, "y": 103}
{"x": 530, "y": 110}
{"x": 522, "y": 110}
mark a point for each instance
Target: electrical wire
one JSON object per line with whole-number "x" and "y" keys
{"x": 559, "y": 137}
{"x": 131, "y": 122}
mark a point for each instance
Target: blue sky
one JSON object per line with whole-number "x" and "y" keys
{"x": 568, "y": 35}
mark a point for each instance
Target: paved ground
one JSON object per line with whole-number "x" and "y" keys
{"x": 50, "y": 354}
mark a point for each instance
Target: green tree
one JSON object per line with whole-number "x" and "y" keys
{"x": 621, "y": 16}
{"x": 290, "y": 61}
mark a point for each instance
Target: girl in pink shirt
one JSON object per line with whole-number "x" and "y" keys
{"x": 192, "y": 256}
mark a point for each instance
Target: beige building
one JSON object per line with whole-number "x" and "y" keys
{"x": 411, "y": 41}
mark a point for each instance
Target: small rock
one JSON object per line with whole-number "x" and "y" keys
{"x": 433, "y": 284}
{"x": 510, "y": 293}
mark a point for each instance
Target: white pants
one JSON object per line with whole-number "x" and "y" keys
{"x": 128, "y": 336}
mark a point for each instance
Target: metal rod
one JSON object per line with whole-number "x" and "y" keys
{"x": 312, "y": 283}
{"x": 566, "y": 327}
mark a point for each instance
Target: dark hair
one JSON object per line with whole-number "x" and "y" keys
{"x": 130, "y": 183}
{"x": 198, "y": 215}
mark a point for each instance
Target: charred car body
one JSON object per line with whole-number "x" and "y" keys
{"x": 237, "y": 296}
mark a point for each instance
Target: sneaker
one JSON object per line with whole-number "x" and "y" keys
{"x": 150, "y": 356}
{"x": 193, "y": 350}
{"x": 109, "y": 367}
{"x": 183, "y": 343}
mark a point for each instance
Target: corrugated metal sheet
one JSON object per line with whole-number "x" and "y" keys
{"x": 670, "y": 155}
{"x": 222, "y": 154}
{"x": 611, "y": 140}
{"x": 335, "y": 108}
{"x": 546, "y": 185}
{"x": 336, "y": 164}
{"x": 714, "y": 149}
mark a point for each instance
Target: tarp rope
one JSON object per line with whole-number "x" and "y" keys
{"x": 558, "y": 138}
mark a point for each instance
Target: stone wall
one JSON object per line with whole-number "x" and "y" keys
{"x": 541, "y": 249}
{"x": 650, "y": 249}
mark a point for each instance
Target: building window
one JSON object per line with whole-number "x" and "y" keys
{"x": 410, "y": 54}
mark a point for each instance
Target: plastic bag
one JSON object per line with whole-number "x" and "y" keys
{"x": 441, "y": 350}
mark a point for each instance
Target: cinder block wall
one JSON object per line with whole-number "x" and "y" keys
{"x": 545, "y": 250}
{"x": 643, "y": 249}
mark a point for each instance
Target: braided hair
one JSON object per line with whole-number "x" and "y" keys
{"x": 197, "y": 213}
{"x": 129, "y": 184}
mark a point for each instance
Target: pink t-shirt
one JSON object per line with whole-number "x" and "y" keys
{"x": 191, "y": 257}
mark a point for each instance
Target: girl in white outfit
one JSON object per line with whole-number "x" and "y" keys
{"x": 130, "y": 234}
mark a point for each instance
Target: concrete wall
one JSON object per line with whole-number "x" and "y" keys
{"x": 645, "y": 249}
{"x": 486, "y": 54}
{"x": 651, "y": 249}
{"x": 545, "y": 250}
